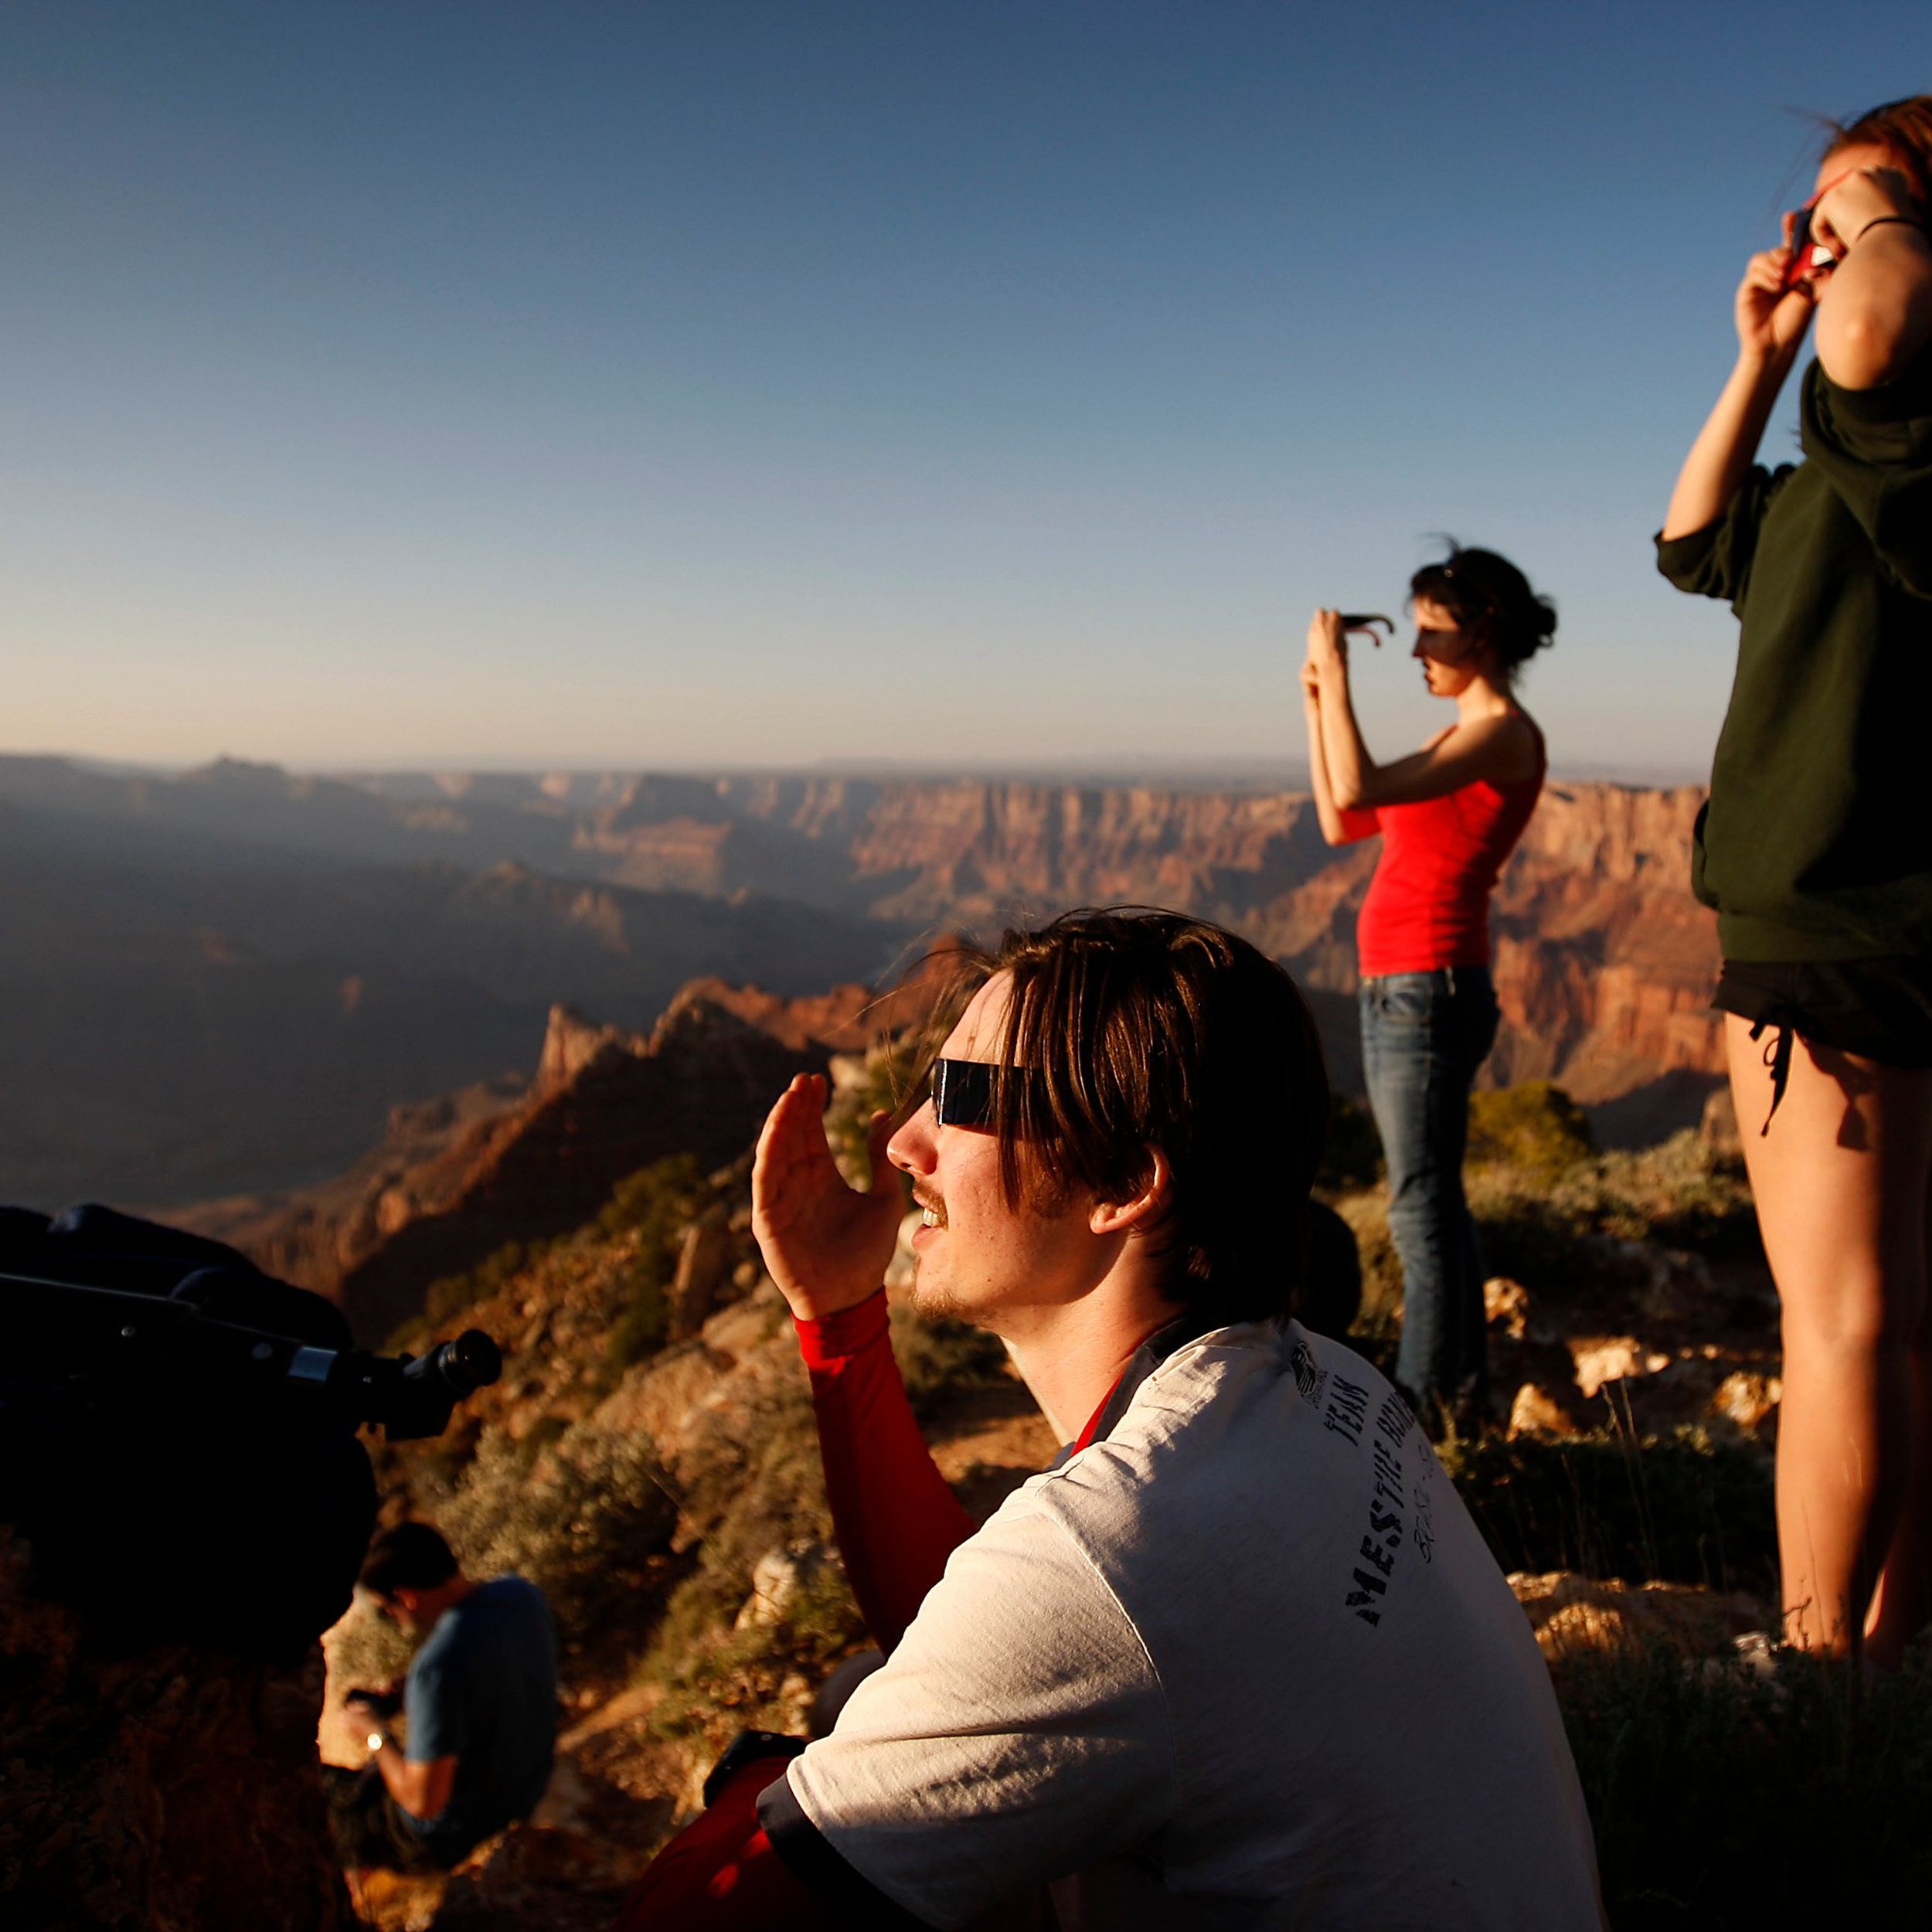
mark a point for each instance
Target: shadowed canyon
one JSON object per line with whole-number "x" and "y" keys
{"x": 221, "y": 982}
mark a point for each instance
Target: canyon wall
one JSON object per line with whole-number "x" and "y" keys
{"x": 1603, "y": 961}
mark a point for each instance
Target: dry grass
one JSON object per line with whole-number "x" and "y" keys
{"x": 1727, "y": 1801}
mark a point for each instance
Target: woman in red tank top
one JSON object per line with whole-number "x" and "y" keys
{"x": 1448, "y": 816}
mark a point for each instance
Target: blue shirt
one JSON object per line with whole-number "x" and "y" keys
{"x": 482, "y": 1690}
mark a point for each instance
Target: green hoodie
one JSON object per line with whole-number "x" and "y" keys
{"x": 1817, "y": 842}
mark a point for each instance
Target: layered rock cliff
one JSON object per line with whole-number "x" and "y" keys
{"x": 1603, "y": 966}
{"x": 1603, "y": 961}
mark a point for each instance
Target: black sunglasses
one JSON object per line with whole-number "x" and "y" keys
{"x": 966, "y": 1093}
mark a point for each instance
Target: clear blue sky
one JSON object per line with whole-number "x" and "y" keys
{"x": 754, "y": 383}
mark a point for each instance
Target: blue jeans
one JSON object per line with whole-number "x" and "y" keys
{"x": 1423, "y": 1035}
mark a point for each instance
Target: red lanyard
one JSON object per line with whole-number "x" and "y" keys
{"x": 1087, "y": 1434}
{"x": 1094, "y": 1421}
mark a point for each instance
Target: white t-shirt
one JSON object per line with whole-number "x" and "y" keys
{"x": 1243, "y": 1662}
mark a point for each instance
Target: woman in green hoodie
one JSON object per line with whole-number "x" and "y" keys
{"x": 1816, "y": 850}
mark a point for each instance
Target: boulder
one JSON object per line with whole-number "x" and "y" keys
{"x": 1748, "y": 1401}
{"x": 1506, "y": 1306}
{"x": 1540, "y": 1411}
{"x": 1571, "y": 1613}
{"x": 703, "y": 1257}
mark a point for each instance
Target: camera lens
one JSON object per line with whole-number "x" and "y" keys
{"x": 471, "y": 1362}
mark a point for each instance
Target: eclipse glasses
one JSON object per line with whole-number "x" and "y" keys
{"x": 966, "y": 1093}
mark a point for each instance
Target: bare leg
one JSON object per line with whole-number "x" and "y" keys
{"x": 1840, "y": 1182}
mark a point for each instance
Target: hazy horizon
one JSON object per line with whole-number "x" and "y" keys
{"x": 1231, "y": 771}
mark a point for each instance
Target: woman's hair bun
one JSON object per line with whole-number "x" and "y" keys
{"x": 1486, "y": 593}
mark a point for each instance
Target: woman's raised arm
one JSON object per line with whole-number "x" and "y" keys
{"x": 1501, "y": 751}
{"x": 1338, "y": 828}
{"x": 1771, "y": 322}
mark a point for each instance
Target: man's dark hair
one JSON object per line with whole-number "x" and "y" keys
{"x": 1146, "y": 1029}
{"x": 406, "y": 1555}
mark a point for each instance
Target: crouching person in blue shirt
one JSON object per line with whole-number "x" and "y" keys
{"x": 480, "y": 1706}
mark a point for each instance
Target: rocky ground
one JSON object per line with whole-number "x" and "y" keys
{"x": 666, "y": 1490}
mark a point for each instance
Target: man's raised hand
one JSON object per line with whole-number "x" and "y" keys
{"x": 827, "y": 1245}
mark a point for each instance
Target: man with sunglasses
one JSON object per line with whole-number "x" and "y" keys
{"x": 1240, "y": 1657}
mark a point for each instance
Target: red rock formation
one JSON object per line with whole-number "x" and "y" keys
{"x": 700, "y": 1083}
{"x": 452, "y": 1184}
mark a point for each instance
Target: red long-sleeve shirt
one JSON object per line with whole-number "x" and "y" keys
{"x": 895, "y": 1519}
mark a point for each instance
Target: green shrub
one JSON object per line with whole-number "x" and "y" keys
{"x": 547, "y": 1430}
{"x": 761, "y": 1488}
{"x": 585, "y": 1531}
{"x": 1679, "y": 1509}
{"x": 1352, "y": 1157}
{"x": 719, "y": 1680}
{"x": 1684, "y": 1193}
{"x": 654, "y": 1205}
{"x": 639, "y": 1333}
{"x": 448, "y": 1296}
{"x": 653, "y": 1198}
{"x": 1556, "y": 1232}
{"x": 1725, "y": 1801}
{"x": 1533, "y": 1239}
{"x": 1534, "y": 1129}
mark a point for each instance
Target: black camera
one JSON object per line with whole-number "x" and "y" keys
{"x": 178, "y": 1430}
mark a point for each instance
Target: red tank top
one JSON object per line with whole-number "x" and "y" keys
{"x": 1428, "y": 904}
